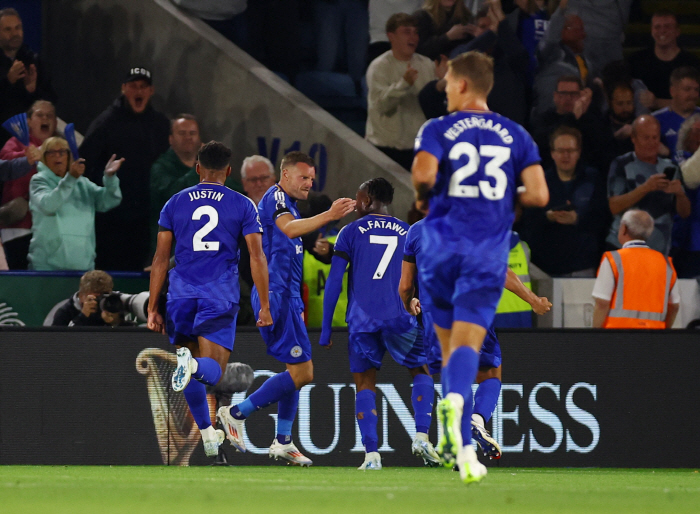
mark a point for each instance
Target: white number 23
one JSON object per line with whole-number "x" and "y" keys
{"x": 498, "y": 154}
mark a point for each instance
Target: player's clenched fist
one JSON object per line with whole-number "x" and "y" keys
{"x": 264, "y": 318}
{"x": 341, "y": 207}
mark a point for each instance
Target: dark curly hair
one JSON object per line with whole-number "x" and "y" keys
{"x": 379, "y": 189}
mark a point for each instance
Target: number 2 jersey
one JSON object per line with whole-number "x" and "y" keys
{"x": 373, "y": 245}
{"x": 209, "y": 222}
{"x": 481, "y": 155}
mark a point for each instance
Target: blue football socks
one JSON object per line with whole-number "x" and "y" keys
{"x": 208, "y": 371}
{"x": 422, "y": 399}
{"x": 461, "y": 371}
{"x": 486, "y": 398}
{"x": 196, "y": 397}
{"x": 366, "y": 414}
{"x": 286, "y": 412}
{"x": 272, "y": 390}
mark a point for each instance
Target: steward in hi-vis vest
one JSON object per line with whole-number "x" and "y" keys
{"x": 315, "y": 274}
{"x": 513, "y": 312}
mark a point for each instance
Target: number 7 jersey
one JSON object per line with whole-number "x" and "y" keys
{"x": 481, "y": 155}
{"x": 209, "y": 221}
{"x": 373, "y": 245}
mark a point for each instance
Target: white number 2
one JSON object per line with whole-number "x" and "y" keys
{"x": 205, "y": 246}
{"x": 391, "y": 243}
{"x": 498, "y": 154}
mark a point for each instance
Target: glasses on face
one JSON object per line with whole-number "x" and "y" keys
{"x": 56, "y": 153}
{"x": 257, "y": 180}
{"x": 566, "y": 151}
{"x": 569, "y": 93}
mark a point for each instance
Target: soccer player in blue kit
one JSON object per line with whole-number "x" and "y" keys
{"x": 465, "y": 173}
{"x": 377, "y": 321}
{"x": 287, "y": 339}
{"x": 205, "y": 223}
{"x": 488, "y": 376}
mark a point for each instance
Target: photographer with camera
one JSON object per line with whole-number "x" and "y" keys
{"x": 97, "y": 305}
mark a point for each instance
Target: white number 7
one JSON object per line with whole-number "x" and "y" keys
{"x": 391, "y": 243}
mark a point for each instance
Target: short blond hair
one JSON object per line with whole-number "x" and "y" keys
{"x": 96, "y": 281}
{"x": 476, "y": 68}
{"x": 54, "y": 143}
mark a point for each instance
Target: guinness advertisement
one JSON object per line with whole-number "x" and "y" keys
{"x": 570, "y": 398}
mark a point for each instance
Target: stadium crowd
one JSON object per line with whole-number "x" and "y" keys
{"x": 614, "y": 133}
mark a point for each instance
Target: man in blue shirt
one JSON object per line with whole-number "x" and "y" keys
{"x": 685, "y": 91}
{"x": 205, "y": 222}
{"x": 489, "y": 374}
{"x": 286, "y": 339}
{"x": 467, "y": 166}
{"x": 376, "y": 319}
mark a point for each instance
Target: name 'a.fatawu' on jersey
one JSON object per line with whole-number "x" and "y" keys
{"x": 208, "y": 222}
{"x": 481, "y": 155}
{"x": 373, "y": 245}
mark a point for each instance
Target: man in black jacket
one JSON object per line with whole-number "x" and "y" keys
{"x": 132, "y": 129}
{"x": 22, "y": 77}
{"x": 82, "y": 308}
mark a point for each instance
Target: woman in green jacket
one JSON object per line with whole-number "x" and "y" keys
{"x": 63, "y": 204}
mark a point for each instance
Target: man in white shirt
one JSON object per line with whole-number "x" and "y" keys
{"x": 394, "y": 80}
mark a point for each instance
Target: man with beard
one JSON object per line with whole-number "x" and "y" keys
{"x": 132, "y": 129}
{"x": 621, "y": 116}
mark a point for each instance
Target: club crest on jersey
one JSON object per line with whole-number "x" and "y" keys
{"x": 296, "y": 351}
{"x": 299, "y": 249}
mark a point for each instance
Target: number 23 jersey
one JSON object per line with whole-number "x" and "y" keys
{"x": 481, "y": 155}
{"x": 208, "y": 221}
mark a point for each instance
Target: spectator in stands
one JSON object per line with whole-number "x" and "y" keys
{"x": 258, "y": 175}
{"x": 565, "y": 237}
{"x": 685, "y": 248}
{"x": 394, "y": 80}
{"x": 572, "y": 107}
{"x": 617, "y": 73}
{"x": 379, "y": 13}
{"x": 510, "y": 95}
{"x": 23, "y": 79}
{"x": 654, "y": 65}
{"x": 432, "y": 98}
{"x": 133, "y": 129}
{"x": 529, "y": 22}
{"x": 561, "y": 52}
{"x": 605, "y": 22}
{"x": 41, "y": 119}
{"x": 342, "y": 25}
{"x": 636, "y": 286}
{"x": 638, "y": 179}
{"x": 63, "y": 205}
{"x": 175, "y": 169}
{"x": 685, "y": 91}
{"x": 442, "y": 26}
{"x": 620, "y": 116}
{"x": 82, "y": 307}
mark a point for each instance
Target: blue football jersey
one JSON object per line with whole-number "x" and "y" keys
{"x": 481, "y": 155}
{"x": 208, "y": 222}
{"x": 373, "y": 245}
{"x": 670, "y": 123}
{"x": 285, "y": 256}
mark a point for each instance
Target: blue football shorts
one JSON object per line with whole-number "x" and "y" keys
{"x": 287, "y": 339}
{"x": 403, "y": 341}
{"x": 462, "y": 287}
{"x": 190, "y": 318}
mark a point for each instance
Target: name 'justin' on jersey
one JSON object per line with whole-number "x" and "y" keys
{"x": 481, "y": 156}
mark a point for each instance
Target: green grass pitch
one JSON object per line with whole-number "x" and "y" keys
{"x": 281, "y": 489}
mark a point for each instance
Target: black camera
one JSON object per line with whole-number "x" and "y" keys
{"x": 133, "y": 305}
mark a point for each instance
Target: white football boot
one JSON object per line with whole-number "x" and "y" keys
{"x": 373, "y": 461}
{"x": 186, "y": 365}
{"x": 288, "y": 452}
{"x": 232, "y": 427}
{"x": 422, "y": 447}
{"x": 470, "y": 469}
{"x": 212, "y": 438}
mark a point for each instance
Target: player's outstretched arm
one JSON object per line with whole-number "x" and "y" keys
{"x": 159, "y": 270}
{"x": 539, "y": 304}
{"x": 258, "y": 269}
{"x": 407, "y": 288}
{"x": 423, "y": 174}
{"x": 331, "y": 292}
{"x": 293, "y": 227}
{"x": 536, "y": 193}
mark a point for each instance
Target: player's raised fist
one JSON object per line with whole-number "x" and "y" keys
{"x": 341, "y": 207}
{"x": 264, "y": 318}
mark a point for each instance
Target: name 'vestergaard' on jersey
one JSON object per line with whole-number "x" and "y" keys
{"x": 205, "y": 193}
{"x": 383, "y": 224}
{"x": 475, "y": 122}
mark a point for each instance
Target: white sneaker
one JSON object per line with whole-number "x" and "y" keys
{"x": 489, "y": 446}
{"x": 232, "y": 427}
{"x": 373, "y": 461}
{"x": 422, "y": 447}
{"x": 288, "y": 452}
{"x": 212, "y": 439}
{"x": 449, "y": 412}
{"x": 470, "y": 469}
{"x": 186, "y": 365}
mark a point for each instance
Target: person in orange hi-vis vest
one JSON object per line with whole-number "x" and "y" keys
{"x": 636, "y": 286}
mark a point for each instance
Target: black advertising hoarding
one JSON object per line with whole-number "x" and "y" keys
{"x": 570, "y": 398}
